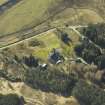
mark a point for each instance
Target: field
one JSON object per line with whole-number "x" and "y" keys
{"x": 69, "y": 16}
{"x": 24, "y": 14}
{"x": 49, "y": 42}
{"x": 2, "y": 1}
{"x": 31, "y": 13}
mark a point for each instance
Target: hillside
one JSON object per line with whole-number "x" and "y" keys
{"x": 34, "y": 96}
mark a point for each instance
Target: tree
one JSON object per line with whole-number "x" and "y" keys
{"x": 78, "y": 49}
{"x": 96, "y": 33}
{"x": 10, "y": 99}
{"x": 100, "y": 61}
{"x": 31, "y": 61}
{"x": 65, "y": 38}
{"x": 88, "y": 94}
{"x": 87, "y": 51}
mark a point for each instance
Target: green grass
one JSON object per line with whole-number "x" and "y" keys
{"x": 25, "y": 14}
{"x": 50, "y": 41}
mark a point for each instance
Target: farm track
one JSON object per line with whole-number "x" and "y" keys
{"x": 48, "y": 31}
{"x": 27, "y": 39}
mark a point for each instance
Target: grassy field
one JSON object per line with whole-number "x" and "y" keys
{"x": 24, "y": 14}
{"x": 2, "y": 1}
{"x": 49, "y": 41}
{"x": 31, "y": 12}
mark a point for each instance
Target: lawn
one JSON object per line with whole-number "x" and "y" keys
{"x": 50, "y": 41}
